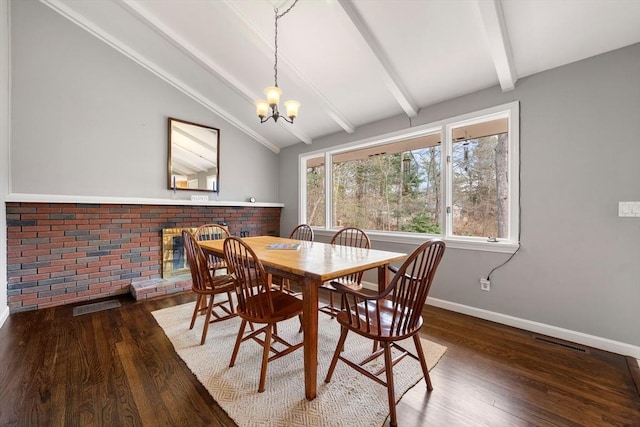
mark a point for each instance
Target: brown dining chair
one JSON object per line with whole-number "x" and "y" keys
{"x": 213, "y": 232}
{"x": 352, "y": 237}
{"x": 259, "y": 302}
{"x": 302, "y": 232}
{"x": 205, "y": 285}
{"x": 394, "y": 314}
{"x": 305, "y": 233}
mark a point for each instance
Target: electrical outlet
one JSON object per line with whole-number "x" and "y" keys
{"x": 485, "y": 284}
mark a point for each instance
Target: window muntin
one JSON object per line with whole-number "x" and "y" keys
{"x": 413, "y": 192}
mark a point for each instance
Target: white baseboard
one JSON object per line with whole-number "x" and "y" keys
{"x": 541, "y": 328}
{"x": 4, "y": 315}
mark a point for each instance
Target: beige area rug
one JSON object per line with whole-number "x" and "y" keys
{"x": 350, "y": 399}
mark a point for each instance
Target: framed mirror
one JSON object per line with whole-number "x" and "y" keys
{"x": 194, "y": 156}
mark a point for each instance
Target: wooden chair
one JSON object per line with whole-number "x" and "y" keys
{"x": 213, "y": 232}
{"x": 391, "y": 316}
{"x": 207, "y": 286}
{"x": 302, "y": 232}
{"x": 353, "y": 237}
{"x": 259, "y": 302}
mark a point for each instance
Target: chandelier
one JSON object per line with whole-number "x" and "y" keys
{"x": 273, "y": 92}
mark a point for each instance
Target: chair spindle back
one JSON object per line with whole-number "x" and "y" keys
{"x": 250, "y": 278}
{"x": 198, "y": 266}
{"x": 355, "y": 238}
{"x": 212, "y": 232}
{"x": 302, "y": 232}
{"x": 404, "y": 297}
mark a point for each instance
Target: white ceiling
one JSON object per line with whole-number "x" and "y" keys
{"x": 350, "y": 62}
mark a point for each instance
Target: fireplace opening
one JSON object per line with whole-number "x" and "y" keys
{"x": 174, "y": 257}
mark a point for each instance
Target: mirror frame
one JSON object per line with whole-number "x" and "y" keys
{"x": 170, "y": 177}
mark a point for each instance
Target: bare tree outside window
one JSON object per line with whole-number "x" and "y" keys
{"x": 315, "y": 192}
{"x": 390, "y": 188}
{"x": 480, "y": 186}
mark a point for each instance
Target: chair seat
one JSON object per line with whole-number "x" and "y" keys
{"x": 330, "y": 308}
{"x": 348, "y": 283}
{"x": 285, "y": 306}
{"x": 369, "y": 324}
{"x": 220, "y": 284}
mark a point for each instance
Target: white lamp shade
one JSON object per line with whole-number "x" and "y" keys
{"x": 273, "y": 95}
{"x": 292, "y": 108}
{"x": 262, "y": 108}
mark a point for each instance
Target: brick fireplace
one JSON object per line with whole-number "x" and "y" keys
{"x": 61, "y": 253}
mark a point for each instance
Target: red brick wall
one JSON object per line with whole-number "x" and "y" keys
{"x": 63, "y": 253}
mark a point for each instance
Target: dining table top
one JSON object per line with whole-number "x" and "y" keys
{"x": 315, "y": 260}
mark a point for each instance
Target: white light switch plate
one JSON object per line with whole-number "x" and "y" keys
{"x": 629, "y": 209}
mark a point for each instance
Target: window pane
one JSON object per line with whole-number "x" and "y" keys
{"x": 392, "y": 187}
{"x": 315, "y": 192}
{"x": 480, "y": 187}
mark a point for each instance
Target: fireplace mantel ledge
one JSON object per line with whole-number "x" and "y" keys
{"x": 60, "y": 198}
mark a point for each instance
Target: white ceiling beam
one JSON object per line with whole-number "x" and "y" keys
{"x": 154, "y": 68}
{"x": 201, "y": 59}
{"x": 499, "y": 44}
{"x": 332, "y": 111}
{"x": 391, "y": 78}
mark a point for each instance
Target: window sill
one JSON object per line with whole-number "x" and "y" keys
{"x": 477, "y": 244}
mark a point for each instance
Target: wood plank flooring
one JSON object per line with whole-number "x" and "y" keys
{"x": 117, "y": 368}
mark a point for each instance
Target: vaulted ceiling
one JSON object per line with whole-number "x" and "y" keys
{"x": 349, "y": 62}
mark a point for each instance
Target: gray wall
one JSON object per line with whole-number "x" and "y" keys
{"x": 87, "y": 121}
{"x": 579, "y": 264}
{"x": 4, "y": 146}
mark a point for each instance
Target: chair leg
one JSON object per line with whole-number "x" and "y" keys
{"x": 265, "y": 357}
{"x": 233, "y": 310}
{"x": 423, "y": 362}
{"x": 207, "y": 319}
{"x": 388, "y": 363}
{"x": 334, "y": 361}
{"x": 331, "y": 303}
{"x": 195, "y": 311}
{"x": 243, "y": 325}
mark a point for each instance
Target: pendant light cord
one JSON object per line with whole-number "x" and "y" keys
{"x": 275, "y": 64}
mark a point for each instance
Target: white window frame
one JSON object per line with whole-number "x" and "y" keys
{"x": 510, "y": 111}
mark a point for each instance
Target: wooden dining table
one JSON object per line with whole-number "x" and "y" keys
{"x": 312, "y": 264}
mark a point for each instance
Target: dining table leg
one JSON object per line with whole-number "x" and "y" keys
{"x": 310, "y": 337}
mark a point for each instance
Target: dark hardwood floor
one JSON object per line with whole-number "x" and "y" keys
{"x": 117, "y": 368}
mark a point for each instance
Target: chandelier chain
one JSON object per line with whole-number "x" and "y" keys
{"x": 275, "y": 63}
